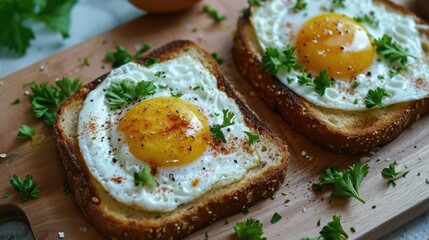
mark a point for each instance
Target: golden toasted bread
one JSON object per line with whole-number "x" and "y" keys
{"x": 120, "y": 221}
{"x": 339, "y": 131}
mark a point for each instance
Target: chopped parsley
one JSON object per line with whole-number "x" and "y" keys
{"x": 46, "y": 99}
{"x": 160, "y": 74}
{"x": 217, "y": 128}
{"x": 254, "y": 2}
{"x": 5, "y": 195}
{"x": 198, "y": 87}
{"x": 245, "y": 210}
{"x": 218, "y": 59}
{"x": 26, "y": 132}
{"x": 274, "y": 59}
{"x": 337, "y": 4}
{"x": 122, "y": 56}
{"x": 392, "y": 175}
{"x": 320, "y": 83}
{"x": 175, "y": 95}
{"x": 355, "y": 84}
{"x": 121, "y": 93}
{"x": 217, "y": 17}
{"x": 275, "y": 218}
{"x": 375, "y": 98}
{"x": 143, "y": 177}
{"x": 299, "y": 5}
{"x": 286, "y": 202}
{"x": 86, "y": 62}
{"x": 346, "y": 182}
{"x": 151, "y": 61}
{"x": 369, "y": 19}
{"x": 333, "y": 230}
{"x": 16, "y": 35}
{"x": 28, "y": 188}
{"x": 252, "y": 137}
{"x": 392, "y": 51}
{"x": 251, "y": 229}
{"x": 206, "y": 236}
{"x": 17, "y": 101}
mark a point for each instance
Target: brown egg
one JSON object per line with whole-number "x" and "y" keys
{"x": 163, "y": 6}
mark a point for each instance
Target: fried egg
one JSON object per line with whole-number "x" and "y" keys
{"x": 167, "y": 132}
{"x": 330, "y": 38}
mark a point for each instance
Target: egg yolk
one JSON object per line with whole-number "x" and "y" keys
{"x": 166, "y": 131}
{"x": 336, "y": 43}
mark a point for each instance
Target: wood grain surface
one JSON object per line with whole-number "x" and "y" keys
{"x": 386, "y": 207}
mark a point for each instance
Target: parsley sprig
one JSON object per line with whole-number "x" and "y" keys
{"x": 392, "y": 175}
{"x": 252, "y": 137}
{"x": 375, "y": 98}
{"x": 217, "y": 128}
{"x": 254, "y": 2}
{"x": 299, "y": 5}
{"x": 346, "y": 182}
{"x": 46, "y": 98}
{"x": 26, "y": 132}
{"x": 369, "y": 19}
{"x": 121, "y": 56}
{"x": 274, "y": 59}
{"x": 251, "y": 229}
{"x": 216, "y": 57}
{"x": 320, "y": 83}
{"x": 27, "y": 188}
{"x": 337, "y": 4}
{"x": 15, "y": 15}
{"x": 333, "y": 230}
{"x": 392, "y": 51}
{"x": 217, "y": 17}
{"x": 144, "y": 177}
{"x": 121, "y": 93}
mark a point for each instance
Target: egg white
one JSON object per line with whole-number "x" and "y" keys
{"x": 277, "y": 26}
{"x": 108, "y": 157}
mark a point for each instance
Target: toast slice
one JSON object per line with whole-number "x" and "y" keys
{"x": 339, "y": 131}
{"x": 119, "y": 221}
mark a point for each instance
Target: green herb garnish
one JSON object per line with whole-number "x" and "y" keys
{"x": 275, "y": 218}
{"x": 252, "y": 137}
{"x": 151, "y": 61}
{"x": 5, "y": 195}
{"x": 121, "y": 93}
{"x": 254, "y": 2}
{"x": 251, "y": 229}
{"x": 217, "y": 17}
{"x": 46, "y": 99}
{"x": 27, "y": 188}
{"x": 371, "y": 20}
{"x": 299, "y": 5}
{"x": 392, "y": 51}
{"x": 218, "y": 59}
{"x": 17, "y": 101}
{"x": 274, "y": 59}
{"x": 375, "y": 98}
{"x": 144, "y": 177}
{"x": 16, "y": 34}
{"x": 26, "y": 132}
{"x": 337, "y": 4}
{"x": 392, "y": 175}
{"x": 217, "y": 128}
{"x": 334, "y": 230}
{"x": 122, "y": 56}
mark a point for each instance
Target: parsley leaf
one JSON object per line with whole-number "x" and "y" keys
{"x": 252, "y": 137}
{"x": 122, "y": 56}
{"x": 254, "y": 2}
{"x": 322, "y": 82}
{"x": 370, "y": 19}
{"x": 391, "y": 50}
{"x": 299, "y": 5}
{"x": 392, "y": 175}
{"x": 16, "y": 35}
{"x": 217, "y": 128}
{"x": 305, "y": 80}
{"x": 26, "y": 132}
{"x": 17, "y": 101}
{"x": 375, "y": 98}
{"x": 274, "y": 59}
{"x": 337, "y": 4}
{"x": 144, "y": 177}
{"x": 151, "y": 61}
{"x": 217, "y": 17}
{"x": 46, "y": 99}
{"x": 218, "y": 59}
{"x": 275, "y": 218}
{"x": 249, "y": 230}
{"x": 121, "y": 93}
{"x": 333, "y": 230}
{"x": 346, "y": 182}
{"x": 26, "y": 188}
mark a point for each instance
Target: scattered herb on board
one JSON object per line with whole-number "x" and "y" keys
{"x": 26, "y": 132}
{"x": 392, "y": 175}
{"x": 15, "y": 15}
{"x": 245, "y": 210}
{"x": 27, "y": 188}
{"x": 251, "y": 229}
{"x": 17, "y": 101}
{"x": 5, "y": 195}
{"x": 346, "y": 182}
{"x": 86, "y": 62}
{"x": 333, "y": 230}
{"x": 217, "y": 128}
{"x": 275, "y": 218}
{"x": 217, "y": 17}
{"x": 46, "y": 98}
{"x": 216, "y": 57}
{"x": 121, "y": 56}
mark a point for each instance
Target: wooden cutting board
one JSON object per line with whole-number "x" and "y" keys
{"x": 386, "y": 207}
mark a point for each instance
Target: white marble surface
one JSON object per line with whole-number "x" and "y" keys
{"x": 92, "y": 17}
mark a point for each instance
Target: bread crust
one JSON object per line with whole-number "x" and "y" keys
{"x": 118, "y": 221}
{"x": 336, "y": 130}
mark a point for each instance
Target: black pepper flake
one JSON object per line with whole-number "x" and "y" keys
{"x": 204, "y": 168}
{"x": 190, "y": 148}
{"x": 171, "y": 176}
{"x": 114, "y": 160}
{"x": 235, "y": 161}
{"x": 119, "y": 139}
{"x": 373, "y": 207}
{"x": 368, "y": 74}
